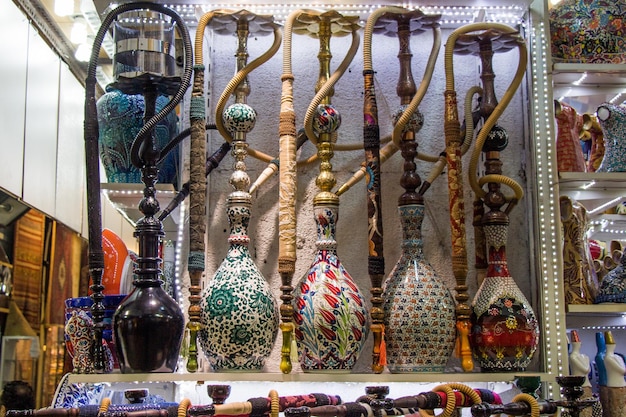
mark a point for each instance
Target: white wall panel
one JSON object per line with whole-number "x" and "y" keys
{"x": 12, "y": 95}
{"x": 70, "y": 179}
{"x": 40, "y": 146}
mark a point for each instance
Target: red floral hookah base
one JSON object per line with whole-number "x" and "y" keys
{"x": 504, "y": 337}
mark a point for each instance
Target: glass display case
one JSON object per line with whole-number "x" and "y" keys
{"x": 534, "y": 253}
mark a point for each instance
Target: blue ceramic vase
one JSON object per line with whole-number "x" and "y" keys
{"x": 120, "y": 117}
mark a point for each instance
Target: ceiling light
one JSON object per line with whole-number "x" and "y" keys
{"x": 64, "y": 7}
{"x": 78, "y": 35}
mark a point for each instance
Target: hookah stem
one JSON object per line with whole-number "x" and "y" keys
{"x": 91, "y": 137}
{"x": 197, "y": 195}
{"x": 457, "y": 208}
{"x": 371, "y": 144}
{"x": 412, "y": 105}
{"x": 232, "y": 85}
{"x": 212, "y": 162}
{"x": 287, "y": 198}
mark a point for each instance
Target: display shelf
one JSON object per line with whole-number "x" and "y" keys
{"x": 597, "y": 309}
{"x": 588, "y": 83}
{"x": 307, "y": 377}
{"x": 125, "y": 197}
{"x": 597, "y": 191}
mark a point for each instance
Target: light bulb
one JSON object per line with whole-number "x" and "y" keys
{"x": 78, "y": 35}
{"x": 64, "y": 7}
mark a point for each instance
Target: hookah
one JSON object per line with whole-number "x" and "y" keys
{"x": 269, "y": 405}
{"x": 247, "y": 347}
{"x": 411, "y": 271}
{"x": 455, "y": 184}
{"x": 136, "y": 324}
{"x": 447, "y": 397}
{"x": 526, "y": 405}
{"x": 330, "y": 332}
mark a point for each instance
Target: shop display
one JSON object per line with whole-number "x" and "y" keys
{"x": 330, "y": 313}
{"x": 569, "y": 152}
{"x": 587, "y": 31}
{"x": 329, "y": 347}
{"x": 239, "y": 319}
{"x": 611, "y": 118}
{"x": 613, "y": 395}
{"x": 579, "y": 276}
{"x": 613, "y": 285}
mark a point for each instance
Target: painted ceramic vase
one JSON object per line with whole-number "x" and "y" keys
{"x": 614, "y": 131}
{"x": 613, "y": 285}
{"x": 505, "y": 331}
{"x": 239, "y": 314}
{"x": 120, "y": 117}
{"x": 569, "y": 152}
{"x": 418, "y": 308}
{"x": 588, "y": 31}
{"x": 599, "y": 359}
{"x": 330, "y": 312}
{"x": 579, "y": 275}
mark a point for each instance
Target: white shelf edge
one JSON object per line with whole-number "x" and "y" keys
{"x": 584, "y": 67}
{"x": 306, "y": 377}
{"x": 597, "y": 309}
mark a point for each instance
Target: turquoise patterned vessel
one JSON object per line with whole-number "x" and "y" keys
{"x": 613, "y": 124}
{"x": 330, "y": 312}
{"x": 120, "y": 117}
{"x": 418, "y": 308}
{"x": 239, "y": 313}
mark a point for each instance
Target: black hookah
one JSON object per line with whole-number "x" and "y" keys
{"x": 148, "y": 324}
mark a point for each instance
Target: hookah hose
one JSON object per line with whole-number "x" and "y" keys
{"x": 445, "y": 396}
{"x": 326, "y": 88}
{"x": 491, "y": 121}
{"x": 91, "y": 136}
{"x": 262, "y": 406}
{"x": 287, "y": 199}
{"x": 232, "y": 85}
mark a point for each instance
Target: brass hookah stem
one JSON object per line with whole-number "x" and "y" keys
{"x": 243, "y": 31}
{"x": 325, "y": 181}
{"x": 324, "y": 56}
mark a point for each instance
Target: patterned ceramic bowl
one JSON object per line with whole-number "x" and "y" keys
{"x": 589, "y": 31}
